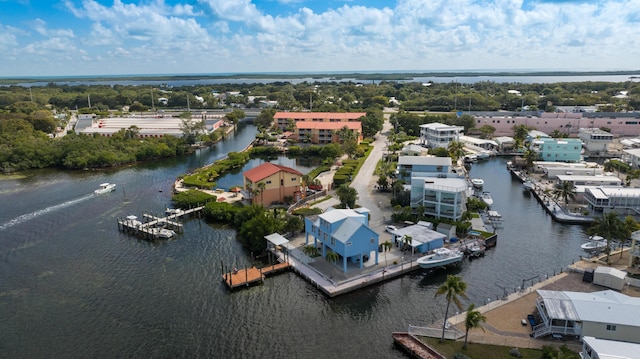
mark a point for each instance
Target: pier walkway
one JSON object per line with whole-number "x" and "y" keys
{"x": 152, "y": 228}
{"x": 248, "y": 276}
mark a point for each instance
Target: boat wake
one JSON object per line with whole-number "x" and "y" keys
{"x": 28, "y": 216}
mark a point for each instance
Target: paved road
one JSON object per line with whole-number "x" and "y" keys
{"x": 364, "y": 182}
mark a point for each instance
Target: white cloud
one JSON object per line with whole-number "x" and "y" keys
{"x": 239, "y": 35}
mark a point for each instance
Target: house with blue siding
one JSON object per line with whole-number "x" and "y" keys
{"x": 345, "y": 232}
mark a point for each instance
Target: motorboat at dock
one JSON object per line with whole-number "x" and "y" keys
{"x": 440, "y": 257}
{"x": 477, "y": 182}
{"x": 527, "y": 185}
{"x": 105, "y": 188}
{"x": 486, "y": 198}
{"x": 595, "y": 244}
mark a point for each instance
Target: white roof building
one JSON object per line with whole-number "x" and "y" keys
{"x": 604, "y": 314}
{"x": 594, "y": 348}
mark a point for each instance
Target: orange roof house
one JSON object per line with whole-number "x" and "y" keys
{"x": 325, "y": 132}
{"x": 283, "y": 119}
{"x": 270, "y": 183}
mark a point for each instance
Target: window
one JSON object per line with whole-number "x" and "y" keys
{"x": 611, "y": 327}
{"x": 293, "y": 178}
{"x": 333, "y": 241}
{"x": 372, "y": 241}
{"x": 268, "y": 182}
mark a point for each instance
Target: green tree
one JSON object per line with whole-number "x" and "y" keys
{"x": 332, "y": 257}
{"x": 347, "y": 195}
{"x": 565, "y": 191}
{"x": 530, "y": 156}
{"x": 191, "y": 129}
{"x": 456, "y": 150}
{"x": 487, "y": 131}
{"x": 611, "y": 227}
{"x": 386, "y": 246}
{"x": 520, "y": 133}
{"x": 472, "y": 321}
{"x": 453, "y": 288}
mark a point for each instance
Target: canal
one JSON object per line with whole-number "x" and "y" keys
{"x": 72, "y": 285}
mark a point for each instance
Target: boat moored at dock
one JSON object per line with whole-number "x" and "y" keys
{"x": 595, "y": 244}
{"x": 440, "y": 257}
{"x": 477, "y": 182}
{"x": 486, "y": 198}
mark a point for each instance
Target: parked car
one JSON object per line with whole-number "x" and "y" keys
{"x": 315, "y": 187}
{"x": 390, "y": 229}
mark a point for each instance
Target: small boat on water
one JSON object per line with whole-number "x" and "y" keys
{"x": 105, "y": 188}
{"x": 477, "y": 182}
{"x": 132, "y": 221}
{"x": 164, "y": 233}
{"x": 527, "y": 185}
{"x": 595, "y": 244}
{"x": 440, "y": 257}
{"x": 486, "y": 198}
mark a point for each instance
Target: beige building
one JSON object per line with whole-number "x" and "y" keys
{"x": 270, "y": 183}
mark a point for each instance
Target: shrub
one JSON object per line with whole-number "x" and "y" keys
{"x": 514, "y": 352}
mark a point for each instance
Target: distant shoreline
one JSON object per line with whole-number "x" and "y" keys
{"x": 387, "y": 76}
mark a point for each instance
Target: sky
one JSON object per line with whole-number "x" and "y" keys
{"x": 126, "y": 37}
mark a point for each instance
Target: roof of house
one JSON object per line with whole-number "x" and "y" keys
{"x": 424, "y": 160}
{"x": 328, "y": 125}
{"x": 322, "y": 115}
{"x": 606, "y": 306}
{"x": 414, "y": 148}
{"x": 267, "y": 169}
{"x": 335, "y": 215}
{"x": 420, "y": 234}
{"x": 612, "y": 349}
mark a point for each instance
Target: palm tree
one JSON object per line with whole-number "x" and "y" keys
{"x": 611, "y": 227}
{"x": 530, "y": 156}
{"x": 332, "y": 257}
{"x": 472, "y": 321}
{"x": 453, "y": 288}
{"x": 456, "y": 150}
{"x": 387, "y": 247}
{"x": 260, "y": 186}
{"x": 565, "y": 191}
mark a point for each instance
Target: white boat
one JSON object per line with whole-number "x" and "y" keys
{"x": 477, "y": 182}
{"x": 440, "y": 257}
{"x": 595, "y": 244}
{"x": 527, "y": 185}
{"x": 164, "y": 233}
{"x": 105, "y": 188}
{"x": 486, "y": 198}
{"x": 132, "y": 221}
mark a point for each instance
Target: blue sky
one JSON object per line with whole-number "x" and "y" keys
{"x": 100, "y": 37}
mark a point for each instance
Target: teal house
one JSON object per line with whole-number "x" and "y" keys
{"x": 558, "y": 149}
{"x": 345, "y": 232}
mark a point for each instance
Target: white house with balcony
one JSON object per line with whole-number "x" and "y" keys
{"x": 436, "y": 134}
{"x": 622, "y": 200}
{"x": 595, "y": 140}
{"x": 440, "y": 197}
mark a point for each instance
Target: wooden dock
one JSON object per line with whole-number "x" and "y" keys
{"x": 150, "y": 229}
{"x": 249, "y": 276}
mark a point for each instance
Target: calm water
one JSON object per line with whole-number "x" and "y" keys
{"x": 436, "y": 79}
{"x": 71, "y": 285}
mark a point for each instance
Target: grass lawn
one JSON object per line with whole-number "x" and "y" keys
{"x": 478, "y": 351}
